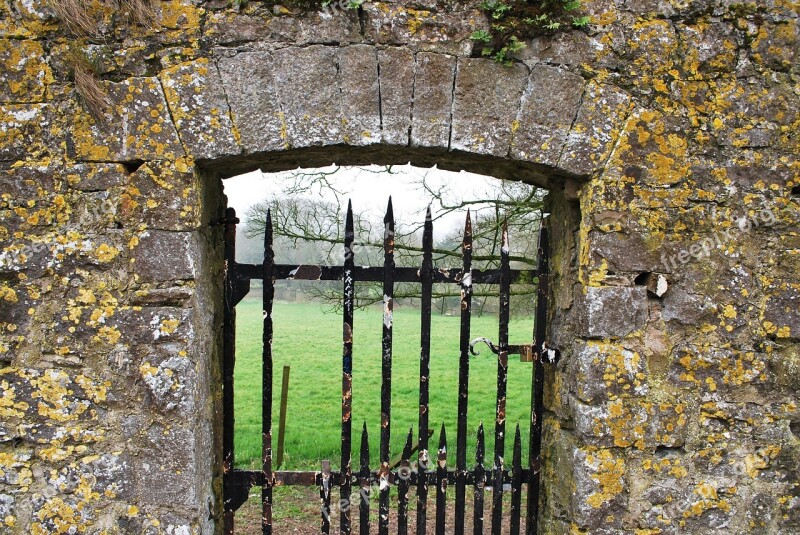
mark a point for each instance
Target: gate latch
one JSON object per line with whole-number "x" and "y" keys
{"x": 527, "y": 352}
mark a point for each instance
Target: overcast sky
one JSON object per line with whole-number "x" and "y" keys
{"x": 370, "y": 191}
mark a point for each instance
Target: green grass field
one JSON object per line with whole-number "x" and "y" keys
{"x": 310, "y": 341}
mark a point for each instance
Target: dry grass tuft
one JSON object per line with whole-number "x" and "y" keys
{"x": 88, "y": 85}
{"x": 76, "y": 15}
{"x": 142, "y": 12}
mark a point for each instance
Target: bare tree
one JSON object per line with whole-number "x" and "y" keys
{"x": 309, "y": 216}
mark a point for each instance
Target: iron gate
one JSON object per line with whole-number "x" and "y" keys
{"x": 424, "y": 473}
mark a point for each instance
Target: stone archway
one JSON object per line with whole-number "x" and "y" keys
{"x": 656, "y": 132}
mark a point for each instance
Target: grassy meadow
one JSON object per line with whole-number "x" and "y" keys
{"x": 310, "y": 341}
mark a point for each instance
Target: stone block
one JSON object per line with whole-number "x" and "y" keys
{"x": 390, "y": 23}
{"x": 249, "y": 82}
{"x": 601, "y": 117}
{"x": 612, "y": 311}
{"x": 25, "y": 74}
{"x": 361, "y": 108}
{"x": 198, "y": 107}
{"x": 163, "y": 256}
{"x": 309, "y": 95}
{"x": 397, "y": 66}
{"x": 137, "y": 126}
{"x": 27, "y": 132}
{"x": 486, "y": 100}
{"x": 433, "y": 100}
{"x": 609, "y": 371}
{"x": 548, "y": 108}
{"x": 782, "y": 311}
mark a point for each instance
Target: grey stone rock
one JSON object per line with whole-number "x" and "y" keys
{"x": 358, "y": 79}
{"x": 163, "y": 256}
{"x": 685, "y": 307}
{"x": 309, "y": 94}
{"x": 248, "y": 79}
{"x": 27, "y": 132}
{"x": 624, "y": 252}
{"x": 782, "y": 311}
{"x": 547, "y": 112}
{"x": 439, "y": 31}
{"x": 433, "y": 100}
{"x": 397, "y": 67}
{"x": 138, "y": 106}
{"x": 609, "y": 371}
{"x": 487, "y": 96}
{"x": 601, "y": 117}
{"x": 200, "y": 111}
{"x": 612, "y": 312}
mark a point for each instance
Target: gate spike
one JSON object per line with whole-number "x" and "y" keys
{"x": 424, "y": 459}
{"x": 537, "y": 383}
{"x": 348, "y": 303}
{"x": 404, "y": 481}
{"x": 498, "y": 467}
{"x": 516, "y": 483}
{"x": 463, "y": 376}
{"x": 268, "y": 295}
{"x": 480, "y": 474}
{"x": 441, "y": 482}
{"x": 386, "y": 370}
{"x": 365, "y": 483}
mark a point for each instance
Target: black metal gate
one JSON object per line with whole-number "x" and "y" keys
{"x": 423, "y": 472}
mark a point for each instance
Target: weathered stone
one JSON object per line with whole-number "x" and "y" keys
{"x": 358, "y": 79}
{"x": 600, "y": 492}
{"x": 24, "y": 75}
{"x": 199, "y": 109}
{"x": 421, "y": 29}
{"x": 161, "y": 256}
{"x": 635, "y": 423}
{"x": 26, "y": 132}
{"x": 612, "y": 312}
{"x": 433, "y": 100}
{"x": 618, "y": 251}
{"x": 546, "y": 114}
{"x": 162, "y": 196}
{"x": 248, "y": 80}
{"x": 602, "y": 114}
{"x": 782, "y": 312}
{"x": 137, "y": 127}
{"x": 96, "y": 177}
{"x": 310, "y": 98}
{"x": 485, "y": 105}
{"x": 396, "y": 66}
{"x": 609, "y": 371}
{"x": 713, "y": 369}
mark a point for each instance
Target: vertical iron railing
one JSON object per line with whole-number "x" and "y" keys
{"x": 404, "y": 475}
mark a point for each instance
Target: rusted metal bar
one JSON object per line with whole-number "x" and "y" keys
{"x": 347, "y": 371}
{"x": 325, "y": 497}
{"x": 386, "y": 368}
{"x": 268, "y": 294}
{"x": 537, "y": 383}
{"x": 480, "y": 483}
{"x": 282, "y": 420}
{"x": 423, "y": 459}
{"x": 404, "y": 479}
{"x": 364, "y": 481}
{"x": 516, "y": 483}
{"x": 498, "y": 466}
{"x": 375, "y": 274}
{"x": 441, "y": 483}
{"x": 463, "y": 375}
{"x": 228, "y": 360}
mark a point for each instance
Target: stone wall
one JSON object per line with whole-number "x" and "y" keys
{"x": 666, "y": 132}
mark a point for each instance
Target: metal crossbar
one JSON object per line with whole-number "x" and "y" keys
{"x": 424, "y": 471}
